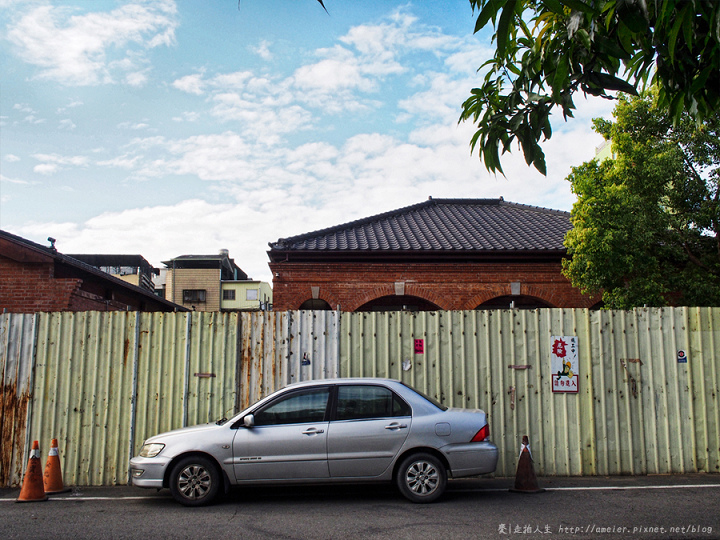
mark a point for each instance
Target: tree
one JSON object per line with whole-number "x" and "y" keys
{"x": 645, "y": 225}
{"x": 548, "y": 50}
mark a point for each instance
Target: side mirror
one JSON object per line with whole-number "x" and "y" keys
{"x": 249, "y": 421}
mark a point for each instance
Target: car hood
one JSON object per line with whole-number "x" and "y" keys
{"x": 181, "y": 432}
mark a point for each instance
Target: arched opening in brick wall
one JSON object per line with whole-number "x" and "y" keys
{"x": 516, "y": 302}
{"x": 398, "y": 303}
{"x": 315, "y": 304}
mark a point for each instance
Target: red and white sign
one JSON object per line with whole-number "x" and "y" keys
{"x": 564, "y": 364}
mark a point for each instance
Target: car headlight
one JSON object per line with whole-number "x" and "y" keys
{"x": 151, "y": 450}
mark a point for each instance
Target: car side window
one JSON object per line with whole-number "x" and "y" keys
{"x": 365, "y": 401}
{"x": 297, "y": 408}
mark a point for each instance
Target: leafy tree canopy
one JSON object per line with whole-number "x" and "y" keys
{"x": 547, "y": 50}
{"x": 645, "y": 225}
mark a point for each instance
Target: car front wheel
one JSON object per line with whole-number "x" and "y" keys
{"x": 422, "y": 478}
{"x": 194, "y": 481}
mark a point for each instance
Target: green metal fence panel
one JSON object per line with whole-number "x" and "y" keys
{"x": 83, "y": 391}
{"x": 647, "y": 394}
{"x": 160, "y": 380}
{"x": 211, "y": 367}
{"x": 106, "y": 381}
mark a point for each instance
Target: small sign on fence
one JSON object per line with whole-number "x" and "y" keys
{"x": 564, "y": 364}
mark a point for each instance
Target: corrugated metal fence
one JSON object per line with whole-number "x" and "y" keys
{"x": 101, "y": 382}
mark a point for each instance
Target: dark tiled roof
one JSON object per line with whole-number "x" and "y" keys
{"x": 443, "y": 225}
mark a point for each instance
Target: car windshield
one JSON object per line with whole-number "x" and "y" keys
{"x": 428, "y": 398}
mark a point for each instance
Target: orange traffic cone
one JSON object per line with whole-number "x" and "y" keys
{"x": 525, "y": 479}
{"x": 52, "y": 478}
{"x": 32, "y": 486}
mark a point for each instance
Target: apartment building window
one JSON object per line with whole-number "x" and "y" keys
{"x": 251, "y": 294}
{"x": 229, "y": 294}
{"x": 194, "y": 295}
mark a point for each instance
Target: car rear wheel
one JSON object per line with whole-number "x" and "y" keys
{"x": 194, "y": 481}
{"x": 421, "y": 478}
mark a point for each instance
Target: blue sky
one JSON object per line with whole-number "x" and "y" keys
{"x": 165, "y": 128}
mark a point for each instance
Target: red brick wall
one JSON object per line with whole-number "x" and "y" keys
{"x": 462, "y": 286}
{"x": 31, "y": 287}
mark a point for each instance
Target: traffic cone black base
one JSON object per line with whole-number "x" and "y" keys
{"x": 525, "y": 479}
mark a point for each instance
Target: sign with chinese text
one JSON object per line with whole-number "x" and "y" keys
{"x": 419, "y": 346}
{"x": 564, "y": 363}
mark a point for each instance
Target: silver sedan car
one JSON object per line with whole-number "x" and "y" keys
{"x": 339, "y": 430}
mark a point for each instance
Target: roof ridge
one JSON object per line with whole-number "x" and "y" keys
{"x": 534, "y": 207}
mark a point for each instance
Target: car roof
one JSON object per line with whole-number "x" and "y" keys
{"x": 345, "y": 380}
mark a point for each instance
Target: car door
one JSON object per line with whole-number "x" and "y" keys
{"x": 288, "y": 440}
{"x": 369, "y": 427}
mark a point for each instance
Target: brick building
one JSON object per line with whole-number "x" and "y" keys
{"x": 442, "y": 254}
{"x": 36, "y": 278}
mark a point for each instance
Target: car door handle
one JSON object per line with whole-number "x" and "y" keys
{"x": 396, "y": 426}
{"x": 313, "y": 431}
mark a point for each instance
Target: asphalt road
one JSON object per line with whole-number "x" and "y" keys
{"x": 677, "y": 506}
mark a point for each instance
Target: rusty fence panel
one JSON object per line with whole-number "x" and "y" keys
{"x": 649, "y": 381}
{"x": 280, "y": 348}
{"x": 17, "y": 338}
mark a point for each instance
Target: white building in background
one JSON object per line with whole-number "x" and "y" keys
{"x": 214, "y": 283}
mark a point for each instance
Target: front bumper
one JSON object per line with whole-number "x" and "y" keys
{"x": 148, "y": 472}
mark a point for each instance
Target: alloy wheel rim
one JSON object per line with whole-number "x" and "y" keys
{"x": 194, "y": 481}
{"x": 422, "y": 478}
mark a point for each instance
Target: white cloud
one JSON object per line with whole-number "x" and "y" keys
{"x": 52, "y": 163}
{"x": 46, "y": 168}
{"x": 136, "y": 79}
{"x": 263, "y": 50}
{"x": 133, "y": 125}
{"x": 192, "y": 84}
{"x": 71, "y": 105}
{"x": 11, "y": 158}
{"x": 67, "y": 124}
{"x": 120, "y": 162}
{"x": 8, "y": 180}
{"x": 82, "y": 49}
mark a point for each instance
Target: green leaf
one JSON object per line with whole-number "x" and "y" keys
{"x": 539, "y": 161}
{"x": 489, "y": 11}
{"x": 673, "y": 36}
{"x": 584, "y": 38}
{"x": 503, "y": 37}
{"x": 610, "y": 82}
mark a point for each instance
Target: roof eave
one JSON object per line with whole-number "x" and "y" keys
{"x": 280, "y": 256}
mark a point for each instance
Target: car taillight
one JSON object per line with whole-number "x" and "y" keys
{"x": 481, "y": 435}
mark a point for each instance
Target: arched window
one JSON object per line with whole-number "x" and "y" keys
{"x": 398, "y": 303}
{"x": 315, "y": 305}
